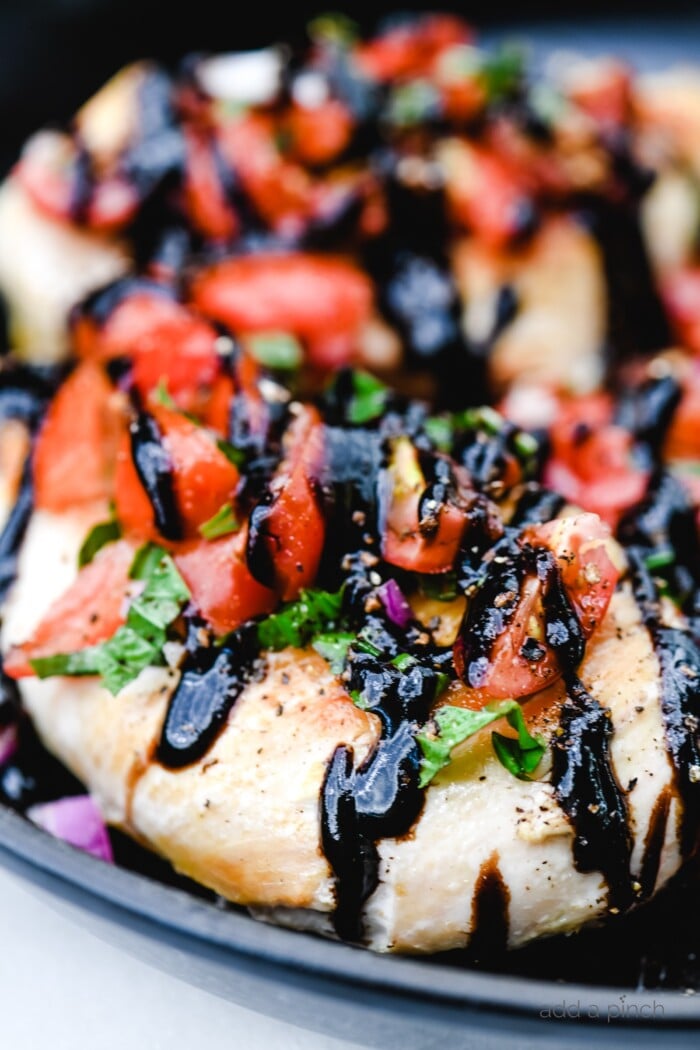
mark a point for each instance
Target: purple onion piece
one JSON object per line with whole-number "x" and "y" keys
{"x": 77, "y": 821}
{"x": 397, "y": 608}
{"x": 8, "y": 743}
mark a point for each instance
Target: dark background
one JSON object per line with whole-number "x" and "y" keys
{"x": 55, "y": 53}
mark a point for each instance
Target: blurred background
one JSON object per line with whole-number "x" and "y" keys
{"x": 55, "y": 53}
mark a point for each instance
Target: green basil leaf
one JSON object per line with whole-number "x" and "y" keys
{"x": 502, "y": 72}
{"x": 441, "y": 587}
{"x": 97, "y": 538}
{"x": 276, "y": 350}
{"x": 368, "y": 400}
{"x": 233, "y": 455}
{"x": 520, "y": 756}
{"x": 84, "y": 662}
{"x": 659, "y": 559}
{"x": 125, "y": 655}
{"x": 315, "y": 612}
{"x": 161, "y": 394}
{"x": 221, "y": 524}
{"x": 454, "y": 725}
{"x": 333, "y": 647}
{"x": 139, "y": 642}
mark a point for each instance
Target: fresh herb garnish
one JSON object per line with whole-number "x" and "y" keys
{"x": 368, "y": 399}
{"x": 162, "y": 396}
{"x": 220, "y": 524}
{"x": 659, "y": 559}
{"x": 333, "y": 28}
{"x": 453, "y": 725}
{"x": 413, "y": 103}
{"x": 442, "y": 587}
{"x": 502, "y": 71}
{"x": 97, "y": 538}
{"x": 333, "y": 647}
{"x": 276, "y": 350}
{"x": 314, "y": 613}
{"x": 139, "y": 642}
{"x": 233, "y": 455}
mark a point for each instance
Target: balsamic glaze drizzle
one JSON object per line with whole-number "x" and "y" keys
{"x": 212, "y": 679}
{"x": 154, "y": 468}
{"x": 678, "y": 654}
{"x": 587, "y": 789}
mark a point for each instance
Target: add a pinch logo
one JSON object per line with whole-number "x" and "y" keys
{"x": 624, "y": 1008}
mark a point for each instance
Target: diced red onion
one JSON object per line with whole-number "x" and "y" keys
{"x": 8, "y": 743}
{"x": 397, "y": 608}
{"x": 77, "y": 821}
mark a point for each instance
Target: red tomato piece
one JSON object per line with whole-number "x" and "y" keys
{"x": 410, "y": 49}
{"x": 222, "y": 587}
{"x": 588, "y": 563}
{"x": 319, "y": 133}
{"x": 403, "y": 543}
{"x": 48, "y": 171}
{"x": 165, "y": 340}
{"x": 76, "y": 448}
{"x": 320, "y": 300}
{"x": 488, "y": 197}
{"x": 203, "y": 478}
{"x": 681, "y": 295}
{"x": 606, "y": 95}
{"x": 591, "y": 462}
{"x": 204, "y": 196}
{"x": 279, "y": 190}
{"x": 287, "y": 534}
{"x": 89, "y": 612}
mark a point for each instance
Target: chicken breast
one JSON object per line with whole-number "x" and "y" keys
{"x": 46, "y": 267}
{"x": 489, "y": 854}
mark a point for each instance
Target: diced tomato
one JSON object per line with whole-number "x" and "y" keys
{"x": 486, "y": 195}
{"x": 204, "y": 196}
{"x": 589, "y": 564}
{"x": 319, "y": 133}
{"x": 320, "y": 300}
{"x": 403, "y": 543}
{"x": 287, "y": 532}
{"x": 591, "y": 462}
{"x": 279, "y": 190}
{"x": 203, "y": 478}
{"x": 222, "y": 587}
{"x": 606, "y": 94}
{"x": 681, "y": 296}
{"x": 410, "y": 48}
{"x": 89, "y": 612}
{"x": 683, "y": 436}
{"x": 164, "y": 339}
{"x": 76, "y": 448}
{"x": 48, "y": 172}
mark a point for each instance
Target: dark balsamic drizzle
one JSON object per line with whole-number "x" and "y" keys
{"x": 678, "y": 654}
{"x": 154, "y": 468}
{"x": 381, "y": 797}
{"x": 14, "y": 529}
{"x": 586, "y": 788}
{"x": 212, "y": 679}
{"x": 490, "y": 908}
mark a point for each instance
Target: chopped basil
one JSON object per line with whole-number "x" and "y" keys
{"x": 453, "y": 725}
{"x": 441, "y": 587}
{"x": 97, "y": 538}
{"x": 659, "y": 559}
{"x": 221, "y": 524}
{"x": 139, "y": 642}
{"x": 403, "y": 661}
{"x": 368, "y": 399}
{"x": 233, "y": 455}
{"x": 413, "y": 103}
{"x": 502, "y": 72}
{"x": 276, "y": 350}
{"x": 333, "y": 28}
{"x": 333, "y": 647}
{"x": 314, "y": 613}
{"x": 440, "y": 431}
{"x": 162, "y": 395}
{"x": 363, "y": 645}
{"x": 84, "y": 662}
